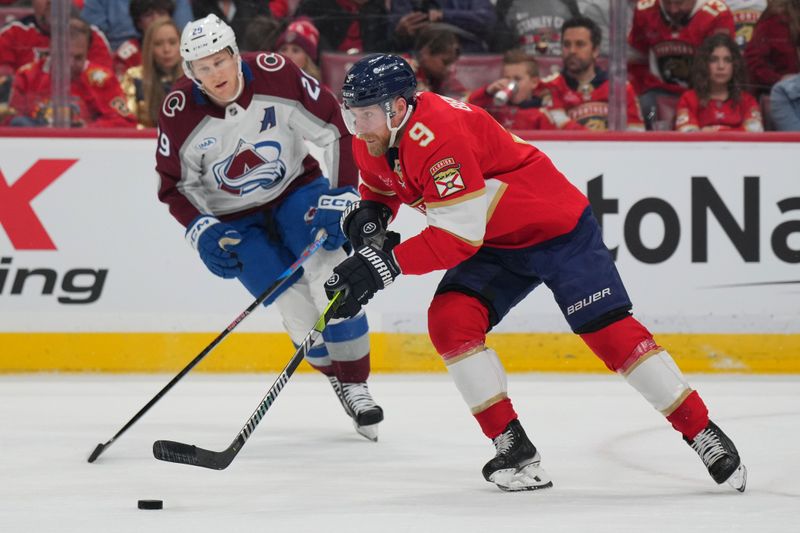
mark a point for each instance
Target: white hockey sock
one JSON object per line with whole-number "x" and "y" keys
{"x": 656, "y": 376}
{"x": 480, "y": 378}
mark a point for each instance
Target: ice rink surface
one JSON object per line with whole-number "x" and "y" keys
{"x": 616, "y": 464}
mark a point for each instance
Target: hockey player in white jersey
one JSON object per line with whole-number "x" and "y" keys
{"x": 236, "y": 172}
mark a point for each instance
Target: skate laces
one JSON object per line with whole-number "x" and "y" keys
{"x": 358, "y": 397}
{"x": 503, "y": 442}
{"x": 708, "y": 446}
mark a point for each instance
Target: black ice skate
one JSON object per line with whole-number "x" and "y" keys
{"x": 720, "y": 456}
{"x": 516, "y": 465}
{"x": 359, "y": 405}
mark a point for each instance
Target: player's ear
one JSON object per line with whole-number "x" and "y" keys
{"x": 400, "y": 108}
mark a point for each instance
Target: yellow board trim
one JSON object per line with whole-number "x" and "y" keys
{"x": 391, "y": 352}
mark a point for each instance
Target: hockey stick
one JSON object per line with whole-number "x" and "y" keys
{"x": 177, "y": 452}
{"x": 308, "y": 252}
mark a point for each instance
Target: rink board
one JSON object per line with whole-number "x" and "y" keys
{"x": 95, "y": 274}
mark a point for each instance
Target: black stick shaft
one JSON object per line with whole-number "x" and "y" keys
{"x": 178, "y": 452}
{"x": 308, "y": 252}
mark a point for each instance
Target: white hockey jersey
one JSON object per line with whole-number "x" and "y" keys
{"x": 231, "y": 161}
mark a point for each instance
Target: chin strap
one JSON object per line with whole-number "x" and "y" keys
{"x": 393, "y": 131}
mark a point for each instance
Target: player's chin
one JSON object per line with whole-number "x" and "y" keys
{"x": 376, "y": 148}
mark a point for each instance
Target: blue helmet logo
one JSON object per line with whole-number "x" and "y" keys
{"x": 377, "y": 78}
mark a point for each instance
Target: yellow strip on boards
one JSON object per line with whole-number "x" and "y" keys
{"x": 391, "y": 352}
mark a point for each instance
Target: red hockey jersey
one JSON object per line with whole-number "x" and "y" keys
{"x": 128, "y": 55}
{"x": 587, "y": 106}
{"x": 476, "y": 183}
{"x": 717, "y": 115}
{"x": 96, "y": 98}
{"x": 22, "y": 41}
{"x": 663, "y": 53}
{"x": 234, "y": 160}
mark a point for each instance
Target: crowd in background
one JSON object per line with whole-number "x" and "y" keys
{"x": 692, "y": 65}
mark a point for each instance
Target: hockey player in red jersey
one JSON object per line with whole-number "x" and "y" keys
{"x": 236, "y": 172}
{"x": 501, "y": 220}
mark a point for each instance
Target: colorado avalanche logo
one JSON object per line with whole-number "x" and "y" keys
{"x": 250, "y": 167}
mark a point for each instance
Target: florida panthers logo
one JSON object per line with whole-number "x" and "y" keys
{"x": 250, "y": 167}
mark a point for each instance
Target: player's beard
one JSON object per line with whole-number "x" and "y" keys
{"x": 377, "y": 146}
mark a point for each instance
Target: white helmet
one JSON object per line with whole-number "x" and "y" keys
{"x": 205, "y": 37}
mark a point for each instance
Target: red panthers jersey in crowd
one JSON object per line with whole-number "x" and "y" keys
{"x": 22, "y": 41}
{"x": 129, "y": 54}
{"x": 692, "y": 115}
{"x": 587, "y": 105}
{"x": 96, "y": 96}
{"x": 663, "y": 52}
{"x": 476, "y": 183}
{"x": 532, "y": 114}
{"x": 234, "y": 160}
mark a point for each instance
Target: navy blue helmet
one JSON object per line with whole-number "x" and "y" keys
{"x": 378, "y": 78}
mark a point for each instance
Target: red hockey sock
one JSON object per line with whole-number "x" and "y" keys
{"x": 691, "y": 416}
{"x": 495, "y": 418}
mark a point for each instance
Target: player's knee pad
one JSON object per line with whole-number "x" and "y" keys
{"x": 620, "y": 344}
{"x": 456, "y": 323}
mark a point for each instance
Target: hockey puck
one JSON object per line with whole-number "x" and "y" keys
{"x": 151, "y": 504}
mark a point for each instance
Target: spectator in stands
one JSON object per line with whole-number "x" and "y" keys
{"x": 350, "y": 26}
{"x": 143, "y": 13}
{"x": 261, "y": 34}
{"x": 435, "y": 53}
{"x": 28, "y": 39}
{"x": 717, "y": 100}
{"x": 118, "y": 18}
{"x": 582, "y": 87}
{"x": 518, "y": 100}
{"x": 745, "y": 15}
{"x": 785, "y": 104}
{"x": 535, "y": 25}
{"x": 147, "y": 84}
{"x": 774, "y": 51}
{"x": 96, "y": 98}
{"x": 299, "y": 43}
{"x": 237, "y": 13}
{"x": 664, "y": 37}
{"x": 470, "y": 20}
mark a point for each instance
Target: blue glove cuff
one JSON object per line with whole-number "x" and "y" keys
{"x": 197, "y": 227}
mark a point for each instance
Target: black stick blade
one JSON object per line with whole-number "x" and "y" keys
{"x": 177, "y": 452}
{"x": 96, "y": 453}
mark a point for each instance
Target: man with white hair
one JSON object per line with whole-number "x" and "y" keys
{"x": 236, "y": 172}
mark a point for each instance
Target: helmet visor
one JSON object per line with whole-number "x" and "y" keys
{"x": 361, "y": 120}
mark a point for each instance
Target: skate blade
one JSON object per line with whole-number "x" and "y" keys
{"x": 368, "y": 432}
{"x": 530, "y": 477}
{"x": 738, "y": 479}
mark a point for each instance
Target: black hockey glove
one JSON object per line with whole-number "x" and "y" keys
{"x": 365, "y": 222}
{"x": 360, "y": 276}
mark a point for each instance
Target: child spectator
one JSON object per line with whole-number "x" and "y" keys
{"x": 96, "y": 98}
{"x": 518, "y": 100}
{"x": 774, "y": 51}
{"x": 436, "y": 51}
{"x": 299, "y": 43}
{"x": 147, "y": 84}
{"x": 717, "y": 100}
